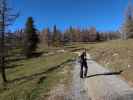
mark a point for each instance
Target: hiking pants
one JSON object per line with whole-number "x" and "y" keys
{"x": 83, "y": 66}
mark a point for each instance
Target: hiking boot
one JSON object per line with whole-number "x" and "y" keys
{"x": 85, "y": 76}
{"x": 81, "y": 76}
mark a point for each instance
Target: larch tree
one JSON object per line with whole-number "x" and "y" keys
{"x": 56, "y": 37}
{"x": 92, "y": 34}
{"x": 46, "y": 37}
{"x": 6, "y": 19}
{"x": 84, "y": 36}
{"x": 68, "y": 35}
{"x": 127, "y": 29}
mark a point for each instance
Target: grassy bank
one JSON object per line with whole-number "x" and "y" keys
{"x": 32, "y": 79}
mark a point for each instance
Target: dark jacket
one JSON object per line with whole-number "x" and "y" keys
{"x": 83, "y": 58}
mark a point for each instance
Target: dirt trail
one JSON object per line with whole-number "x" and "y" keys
{"x": 75, "y": 91}
{"x": 96, "y": 86}
{"x": 79, "y": 89}
{"x": 105, "y": 87}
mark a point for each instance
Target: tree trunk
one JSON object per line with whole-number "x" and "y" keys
{"x": 2, "y": 31}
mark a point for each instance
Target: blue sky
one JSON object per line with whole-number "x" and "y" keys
{"x": 105, "y": 15}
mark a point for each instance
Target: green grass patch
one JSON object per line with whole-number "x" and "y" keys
{"x": 33, "y": 78}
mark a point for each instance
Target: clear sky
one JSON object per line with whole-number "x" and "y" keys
{"x": 105, "y": 15}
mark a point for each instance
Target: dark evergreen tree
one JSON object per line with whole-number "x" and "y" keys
{"x": 31, "y": 38}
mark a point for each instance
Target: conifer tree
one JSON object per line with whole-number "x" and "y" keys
{"x": 31, "y": 38}
{"x": 127, "y": 28}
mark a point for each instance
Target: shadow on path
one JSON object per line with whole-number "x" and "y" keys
{"x": 108, "y": 73}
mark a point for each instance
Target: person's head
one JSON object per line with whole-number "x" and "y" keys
{"x": 84, "y": 51}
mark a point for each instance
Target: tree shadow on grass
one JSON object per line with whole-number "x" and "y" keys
{"x": 9, "y": 61}
{"x": 103, "y": 74}
{"x": 30, "y": 77}
{"x": 15, "y": 59}
{"x": 36, "y": 54}
{"x": 13, "y": 66}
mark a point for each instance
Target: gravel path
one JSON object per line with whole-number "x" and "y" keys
{"x": 94, "y": 87}
{"x": 105, "y": 87}
{"x": 79, "y": 90}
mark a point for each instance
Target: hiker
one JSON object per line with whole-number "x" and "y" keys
{"x": 83, "y": 63}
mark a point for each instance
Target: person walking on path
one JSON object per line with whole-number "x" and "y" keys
{"x": 83, "y": 63}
